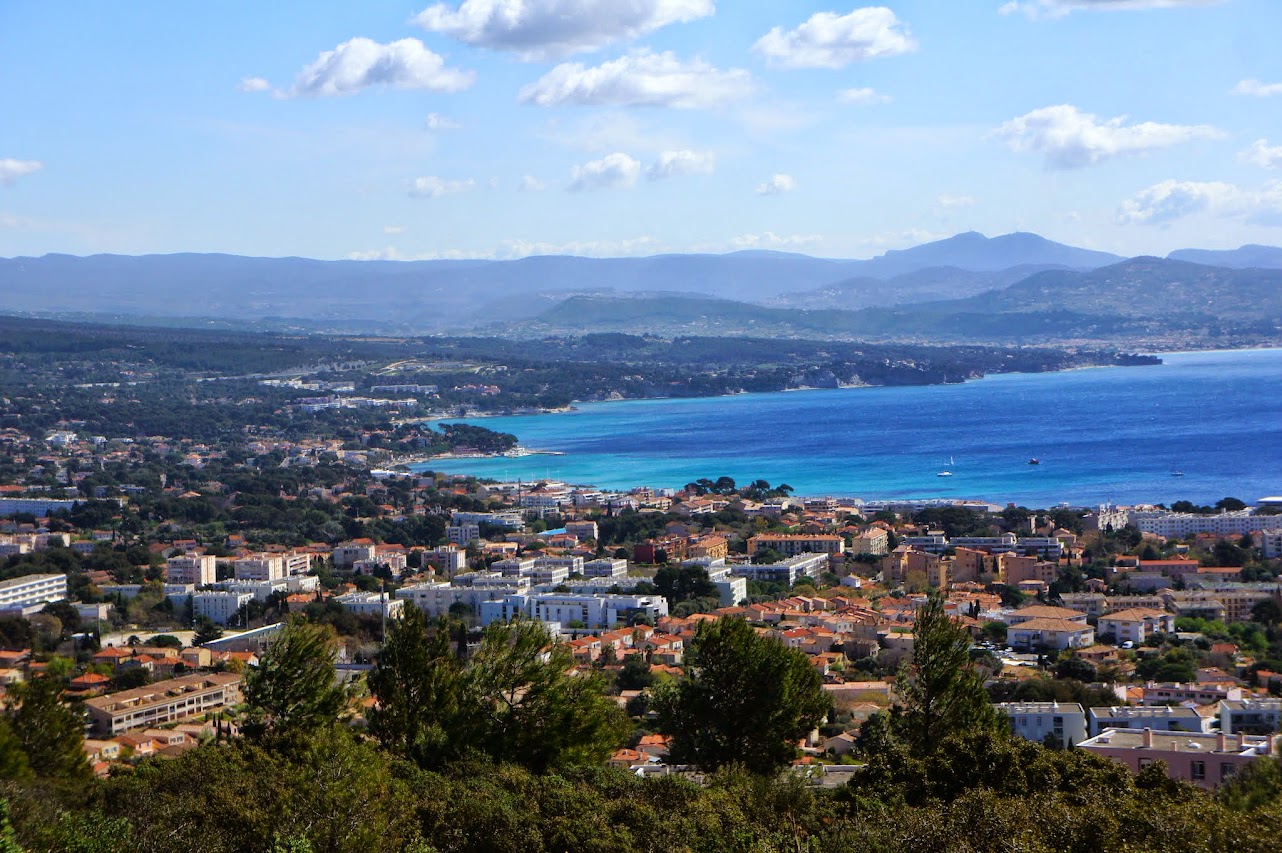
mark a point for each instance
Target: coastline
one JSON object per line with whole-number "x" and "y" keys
{"x": 892, "y": 443}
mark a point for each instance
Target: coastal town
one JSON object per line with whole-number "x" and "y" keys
{"x": 1140, "y": 633}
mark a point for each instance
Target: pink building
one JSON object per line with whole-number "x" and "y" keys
{"x": 1203, "y": 759}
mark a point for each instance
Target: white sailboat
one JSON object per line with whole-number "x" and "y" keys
{"x": 947, "y": 472}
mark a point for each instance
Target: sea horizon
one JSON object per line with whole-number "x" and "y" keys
{"x": 1203, "y": 425}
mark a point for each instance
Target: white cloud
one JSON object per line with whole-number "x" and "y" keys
{"x": 828, "y": 40}
{"x": 1071, "y": 139}
{"x": 777, "y": 185}
{"x": 393, "y": 230}
{"x": 640, "y": 79}
{"x": 253, "y": 84}
{"x": 1257, "y": 89}
{"x": 433, "y": 187}
{"x": 862, "y": 96}
{"x": 529, "y": 183}
{"x": 673, "y": 163}
{"x": 1036, "y": 9}
{"x": 1263, "y": 155}
{"x": 950, "y": 201}
{"x": 1169, "y": 200}
{"x": 626, "y": 247}
{"x": 542, "y": 29}
{"x": 613, "y": 171}
{"x": 436, "y": 121}
{"x": 771, "y": 240}
{"x": 11, "y": 170}
{"x": 359, "y": 63}
{"x": 8, "y": 220}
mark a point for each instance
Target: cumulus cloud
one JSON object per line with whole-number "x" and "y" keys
{"x": 542, "y": 29}
{"x": 777, "y": 185}
{"x": 1257, "y": 89}
{"x": 950, "y": 201}
{"x": 1169, "y": 200}
{"x": 529, "y": 183}
{"x": 640, "y": 79}
{"x": 360, "y": 63}
{"x": 862, "y": 96}
{"x": 1263, "y": 155}
{"x": 771, "y": 240}
{"x": 436, "y": 121}
{"x": 673, "y": 163}
{"x": 434, "y": 187}
{"x": 253, "y": 84}
{"x": 613, "y": 171}
{"x": 11, "y": 170}
{"x": 1071, "y": 139}
{"x": 1036, "y": 9}
{"x": 829, "y": 40}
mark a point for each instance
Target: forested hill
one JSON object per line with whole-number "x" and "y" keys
{"x": 444, "y": 295}
{"x": 1140, "y": 303}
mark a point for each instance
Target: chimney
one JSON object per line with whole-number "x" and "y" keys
{"x": 1148, "y": 738}
{"x": 1220, "y": 742}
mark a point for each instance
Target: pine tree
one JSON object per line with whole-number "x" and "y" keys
{"x": 746, "y": 699}
{"x": 293, "y": 689}
{"x": 416, "y": 681}
{"x": 50, "y": 732}
{"x": 941, "y": 692}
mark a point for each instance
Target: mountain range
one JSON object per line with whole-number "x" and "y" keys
{"x": 967, "y": 287}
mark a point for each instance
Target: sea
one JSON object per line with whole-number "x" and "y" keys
{"x": 1201, "y": 426}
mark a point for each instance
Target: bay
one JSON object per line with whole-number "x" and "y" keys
{"x": 1101, "y": 434}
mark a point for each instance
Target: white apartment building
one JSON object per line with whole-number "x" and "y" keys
{"x": 1251, "y": 716}
{"x": 198, "y": 569}
{"x": 371, "y": 604}
{"x": 350, "y": 553}
{"x": 218, "y": 606}
{"x": 605, "y": 567}
{"x": 32, "y": 591}
{"x": 1159, "y": 718}
{"x": 1271, "y": 542}
{"x": 1180, "y": 525}
{"x": 453, "y": 559}
{"x": 1034, "y": 721}
{"x": 590, "y": 611}
{"x": 462, "y": 535}
{"x": 509, "y": 519}
{"x": 789, "y": 571}
{"x": 435, "y": 599}
{"x": 260, "y": 567}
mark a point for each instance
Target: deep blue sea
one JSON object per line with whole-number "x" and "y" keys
{"x": 1102, "y": 434}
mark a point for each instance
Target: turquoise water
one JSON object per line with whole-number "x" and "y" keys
{"x": 1102, "y": 434}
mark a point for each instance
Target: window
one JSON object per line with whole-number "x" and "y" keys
{"x": 1145, "y": 762}
{"x": 1227, "y": 770}
{"x": 1197, "y": 770}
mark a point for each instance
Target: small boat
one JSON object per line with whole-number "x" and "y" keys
{"x": 1034, "y": 461}
{"x": 1177, "y": 473}
{"x": 947, "y": 472}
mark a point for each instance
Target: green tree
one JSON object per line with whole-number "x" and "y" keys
{"x": 50, "y": 732}
{"x": 942, "y": 691}
{"x": 746, "y": 699}
{"x": 417, "y": 681}
{"x": 293, "y": 689}
{"x": 635, "y": 674}
{"x": 522, "y": 702}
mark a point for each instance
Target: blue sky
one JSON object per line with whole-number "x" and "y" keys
{"x": 501, "y": 128}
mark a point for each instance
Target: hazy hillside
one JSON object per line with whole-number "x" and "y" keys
{"x": 1246, "y": 257}
{"x": 412, "y": 296}
{"x": 1144, "y": 301}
